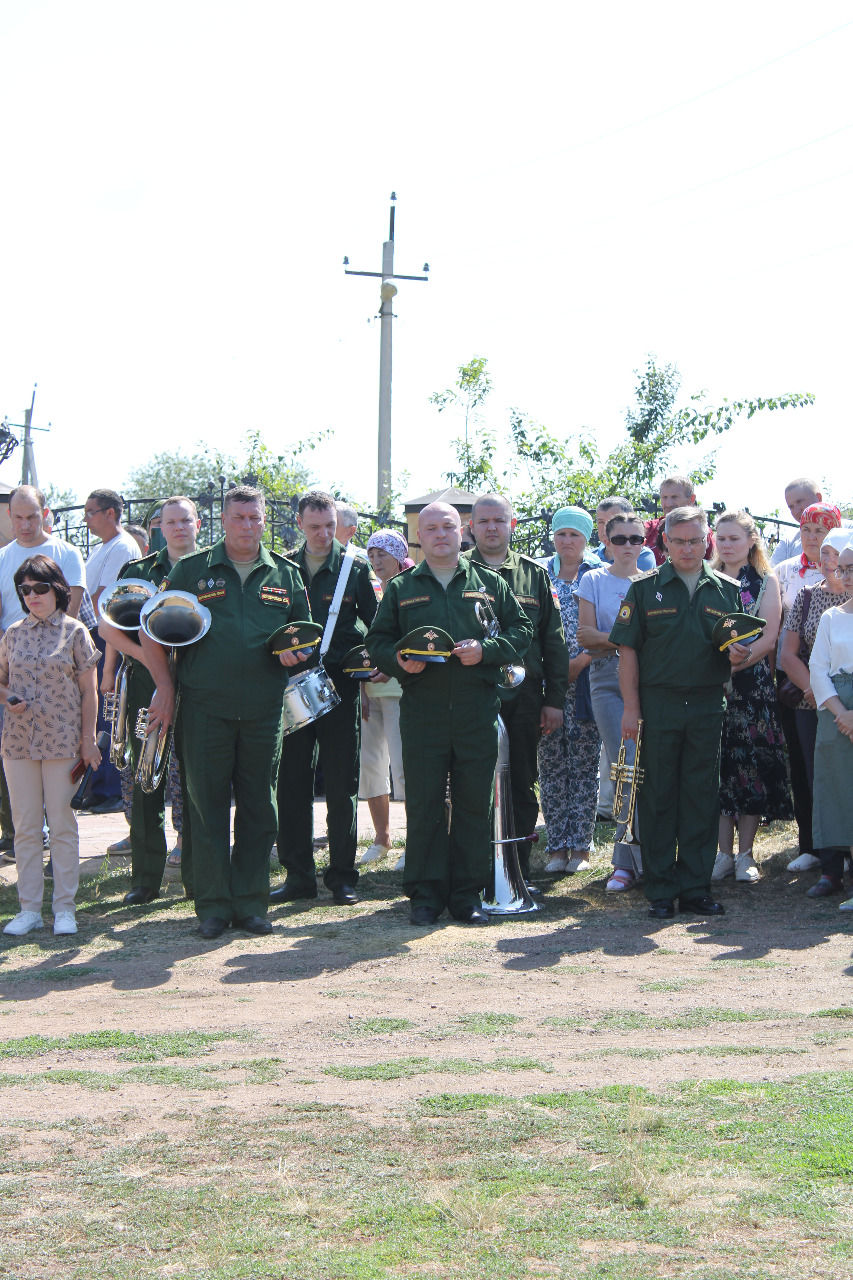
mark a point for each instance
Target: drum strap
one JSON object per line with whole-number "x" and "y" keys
{"x": 335, "y": 606}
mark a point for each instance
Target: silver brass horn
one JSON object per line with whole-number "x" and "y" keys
{"x": 173, "y": 619}
{"x": 512, "y": 673}
{"x": 510, "y": 895}
{"x": 120, "y": 605}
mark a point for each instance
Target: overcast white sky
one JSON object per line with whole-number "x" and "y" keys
{"x": 589, "y": 183}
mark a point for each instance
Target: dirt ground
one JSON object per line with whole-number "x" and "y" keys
{"x": 586, "y": 992}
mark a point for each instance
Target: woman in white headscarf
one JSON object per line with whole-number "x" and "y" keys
{"x": 381, "y": 749}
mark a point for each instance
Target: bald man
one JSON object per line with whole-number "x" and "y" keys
{"x": 448, "y": 714}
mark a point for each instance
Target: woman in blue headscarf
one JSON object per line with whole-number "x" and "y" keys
{"x": 568, "y": 758}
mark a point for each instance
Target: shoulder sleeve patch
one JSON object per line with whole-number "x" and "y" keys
{"x": 626, "y": 611}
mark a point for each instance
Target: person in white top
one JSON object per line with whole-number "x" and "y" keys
{"x": 27, "y": 513}
{"x": 799, "y": 494}
{"x": 831, "y": 675}
{"x": 102, "y": 514}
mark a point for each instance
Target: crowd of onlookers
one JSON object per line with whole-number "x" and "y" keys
{"x": 787, "y": 744}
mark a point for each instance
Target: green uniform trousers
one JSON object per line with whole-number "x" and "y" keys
{"x": 148, "y": 810}
{"x": 334, "y": 738}
{"x": 448, "y": 868}
{"x": 521, "y": 715}
{"x": 678, "y": 801}
{"x": 217, "y": 753}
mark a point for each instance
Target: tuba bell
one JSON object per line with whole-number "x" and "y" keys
{"x": 512, "y": 673}
{"x": 120, "y": 605}
{"x": 509, "y": 895}
{"x": 174, "y": 619}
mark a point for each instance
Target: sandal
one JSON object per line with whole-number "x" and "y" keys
{"x": 621, "y": 879}
{"x": 174, "y": 858}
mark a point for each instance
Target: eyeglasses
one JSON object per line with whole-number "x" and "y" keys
{"x": 684, "y": 542}
{"x": 844, "y": 570}
{"x": 93, "y": 511}
{"x": 34, "y": 588}
{"x": 619, "y": 539}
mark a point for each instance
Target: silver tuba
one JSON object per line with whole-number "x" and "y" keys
{"x": 174, "y": 619}
{"x": 510, "y": 895}
{"x": 120, "y": 605}
{"x": 512, "y": 673}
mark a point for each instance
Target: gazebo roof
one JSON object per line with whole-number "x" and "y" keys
{"x": 454, "y": 497}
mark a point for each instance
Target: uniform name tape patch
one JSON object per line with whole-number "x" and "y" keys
{"x": 414, "y": 600}
{"x": 527, "y": 600}
{"x": 657, "y": 613}
{"x": 212, "y": 595}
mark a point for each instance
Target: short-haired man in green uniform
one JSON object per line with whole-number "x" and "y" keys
{"x": 671, "y": 676}
{"x": 230, "y": 720}
{"x": 180, "y": 525}
{"x": 448, "y": 714}
{"x": 536, "y": 706}
{"x": 335, "y": 737}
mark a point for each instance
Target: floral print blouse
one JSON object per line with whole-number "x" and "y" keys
{"x": 40, "y": 661}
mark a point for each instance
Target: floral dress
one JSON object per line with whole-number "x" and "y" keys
{"x": 753, "y": 761}
{"x": 568, "y": 757}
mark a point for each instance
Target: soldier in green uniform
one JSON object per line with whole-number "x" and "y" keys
{"x": 230, "y": 720}
{"x": 536, "y": 706}
{"x": 671, "y": 676}
{"x": 334, "y": 738}
{"x": 448, "y": 714}
{"x": 180, "y": 526}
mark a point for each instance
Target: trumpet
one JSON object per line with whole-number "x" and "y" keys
{"x": 120, "y": 605}
{"x": 628, "y": 776}
{"x": 512, "y": 673}
{"x": 173, "y": 619}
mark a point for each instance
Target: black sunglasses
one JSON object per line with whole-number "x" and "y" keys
{"x": 619, "y": 539}
{"x": 34, "y": 588}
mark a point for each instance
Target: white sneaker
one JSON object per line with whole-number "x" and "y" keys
{"x": 400, "y": 864}
{"x": 577, "y": 862}
{"x": 805, "y": 862}
{"x": 846, "y": 906}
{"x": 724, "y": 865}
{"x": 557, "y": 861}
{"x": 745, "y": 868}
{"x": 64, "y": 922}
{"x": 24, "y": 922}
{"x": 373, "y": 854}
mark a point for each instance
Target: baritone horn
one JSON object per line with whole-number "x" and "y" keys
{"x": 628, "y": 778}
{"x": 510, "y": 895}
{"x": 120, "y": 605}
{"x": 174, "y": 619}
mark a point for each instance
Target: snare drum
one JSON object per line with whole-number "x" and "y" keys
{"x": 306, "y": 698}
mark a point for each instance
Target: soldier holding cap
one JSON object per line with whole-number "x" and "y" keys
{"x": 671, "y": 674}
{"x": 230, "y": 722}
{"x": 535, "y": 706}
{"x": 448, "y": 711}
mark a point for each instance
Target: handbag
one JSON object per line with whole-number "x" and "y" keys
{"x": 788, "y": 693}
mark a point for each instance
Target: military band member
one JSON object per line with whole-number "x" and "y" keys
{"x": 229, "y": 729}
{"x": 334, "y": 737}
{"x": 180, "y": 526}
{"x": 671, "y": 675}
{"x": 448, "y": 713}
{"x": 536, "y": 706}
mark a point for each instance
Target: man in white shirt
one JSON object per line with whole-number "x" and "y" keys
{"x": 102, "y": 513}
{"x": 799, "y": 494}
{"x": 27, "y": 512}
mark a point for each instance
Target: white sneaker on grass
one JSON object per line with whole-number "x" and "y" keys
{"x": 373, "y": 854}
{"x": 577, "y": 862}
{"x": 64, "y": 922}
{"x": 724, "y": 865}
{"x": 557, "y": 862}
{"x": 805, "y": 862}
{"x": 846, "y": 906}
{"x": 400, "y": 864}
{"x": 24, "y": 922}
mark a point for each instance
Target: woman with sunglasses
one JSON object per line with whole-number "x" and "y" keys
{"x": 600, "y": 596}
{"x": 831, "y": 670}
{"x": 753, "y": 765}
{"x": 48, "y": 684}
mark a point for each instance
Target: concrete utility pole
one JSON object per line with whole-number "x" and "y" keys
{"x": 387, "y": 292}
{"x": 29, "y": 475}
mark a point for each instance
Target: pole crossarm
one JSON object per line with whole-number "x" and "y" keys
{"x": 380, "y": 275}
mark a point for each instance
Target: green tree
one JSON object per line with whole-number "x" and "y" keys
{"x": 475, "y": 450}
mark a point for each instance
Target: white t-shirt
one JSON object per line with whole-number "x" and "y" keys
{"x": 832, "y": 652}
{"x": 606, "y": 592}
{"x": 13, "y": 555}
{"x": 792, "y": 545}
{"x": 106, "y": 562}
